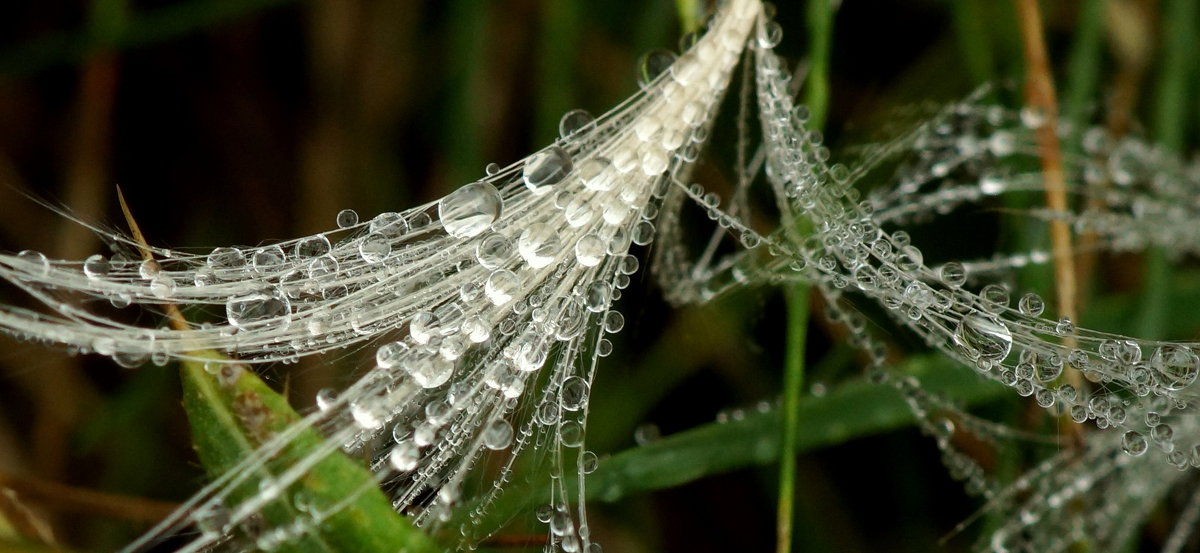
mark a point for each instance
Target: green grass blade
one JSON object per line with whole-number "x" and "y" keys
{"x": 230, "y": 421}
{"x": 851, "y": 411}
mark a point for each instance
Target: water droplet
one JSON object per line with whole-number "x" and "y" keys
{"x": 643, "y": 233}
{"x": 1031, "y": 304}
{"x": 375, "y": 247}
{"x": 546, "y": 168}
{"x": 326, "y": 397}
{"x": 983, "y": 337}
{"x": 590, "y": 250}
{"x": 770, "y": 35}
{"x": 498, "y": 435}
{"x": 953, "y": 274}
{"x": 96, "y": 266}
{"x": 1177, "y": 366}
{"x": 538, "y": 244}
{"x": 267, "y": 259}
{"x": 1134, "y": 443}
{"x": 251, "y": 309}
{"x": 653, "y": 64}
{"x": 995, "y": 297}
{"x": 404, "y": 456}
{"x": 574, "y": 393}
{"x": 312, "y": 246}
{"x": 574, "y": 121}
{"x": 1064, "y": 327}
{"x": 592, "y": 173}
{"x": 389, "y": 224}
{"x": 390, "y": 355}
{"x": 347, "y": 218}
{"x": 571, "y": 434}
{"x": 501, "y": 286}
{"x": 470, "y": 210}
{"x": 493, "y": 250}
{"x": 431, "y": 372}
{"x": 597, "y": 296}
{"x": 36, "y": 260}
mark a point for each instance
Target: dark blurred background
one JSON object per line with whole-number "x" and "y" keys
{"x": 237, "y": 122}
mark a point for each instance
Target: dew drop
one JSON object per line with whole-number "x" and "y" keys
{"x": 96, "y": 267}
{"x": 574, "y": 121}
{"x": 983, "y": 337}
{"x": 538, "y": 244}
{"x": 431, "y": 372}
{"x": 347, "y": 218}
{"x": 1031, "y": 304}
{"x": 375, "y": 247}
{"x": 245, "y": 311}
{"x": 653, "y": 64}
{"x": 268, "y": 258}
{"x": 1134, "y": 443}
{"x": 312, "y": 246}
{"x": 493, "y": 250}
{"x": 404, "y": 456}
{"x": 590, "y": 250}
{"x": 501, "y": 286}
{"x": 390, "y": 355}
{"x": 1177, "y": 366}
{"x": 545, "y": 169}
{"x": 592, "y": 173}
{"x": 953, "y": 274}
{"x": 498, "y": 435}
{"x": 574, "y": 393}
{"x": 597, "y": 296}
{"x": 470, "y": 210}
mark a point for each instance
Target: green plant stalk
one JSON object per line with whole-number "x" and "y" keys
{"x": 689, "y": 15}
{"x": 1179, "y": 62}
{"x": 820, "y": 28}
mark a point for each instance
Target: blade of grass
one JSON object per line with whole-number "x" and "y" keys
{"x": 973, "y": 37}
{"x": 1178, "y": 64}
{"x": 848, "y": 412}
{"x": 153, "y": 26}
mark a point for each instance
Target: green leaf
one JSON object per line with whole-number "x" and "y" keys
{"x": 853, "y": 410}
{"x": 231, "y": 417}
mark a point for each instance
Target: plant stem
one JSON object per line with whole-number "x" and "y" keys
{"x": 820, "y": 29}
{"x": 1040, "y": 98}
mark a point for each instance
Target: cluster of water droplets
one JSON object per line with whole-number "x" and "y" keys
{"x": 487, "y": 310}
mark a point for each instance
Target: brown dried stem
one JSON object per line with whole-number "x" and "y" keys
{"x": 1041, "y": 102}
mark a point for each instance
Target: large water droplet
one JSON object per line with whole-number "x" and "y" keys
{"x": 96, "y": 266}
{"x": 575, "y": 121}
{"x": 1177, "y": 366}
{"x": 245, "y": 311}
{"x": 1134, "y": 443}
{"x": 470, "y": 210}
{"x": 404, "y": 456}
{"x": 431, "y": 372}
{"x": 546, "y": 168}
{"x": 590, "y": 250}
{"x": 493, "y": 250}
{"x": 497, "y": 435}
{"x": 983, "y": 337}
{"x": 501, "y": 286}
{"x": 538, "y": 245}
